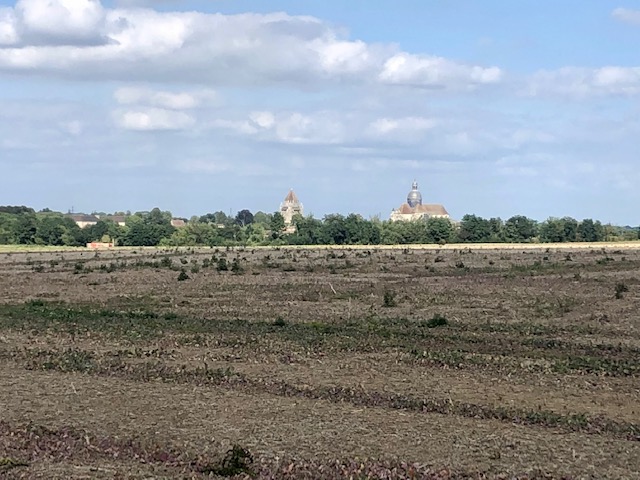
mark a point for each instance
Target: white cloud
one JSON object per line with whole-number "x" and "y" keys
{"x": 435, "y": 72}
{"x": 162, "y": 99}
{"x": 8, "y": 31}
{"x": 323, "y": 127}
{"x": 412, "y": 124}
{"x": 298, "y": 128}
{"x": 627, "y": 15}
{"x": 143, "y": 3}
{"x": 582, "y": 82}
{"x": 262, "y": 119}
{"x": 149, "y": 119}
{"x": 347, "y": 58}
{"x": 60, "y": 22}
{"x": 82, "y": 39}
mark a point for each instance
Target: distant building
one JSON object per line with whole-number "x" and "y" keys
{"x": 178, "y": 222}
{"x": 117, "y": 219}
{"x": 290, "y": 207}
{"x": 414, "y": 209}
{"x": 83, "y": 220}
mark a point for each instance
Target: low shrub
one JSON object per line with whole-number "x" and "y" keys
{"x": 620, "y": 289}
{"x": 182, "y": 276}
{"x": 436, "y": 321}
{"x": 237, "y": 461}
{"x": 389, "y": 299}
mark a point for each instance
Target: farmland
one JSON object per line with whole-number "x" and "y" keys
{"x": 439, "y": 363}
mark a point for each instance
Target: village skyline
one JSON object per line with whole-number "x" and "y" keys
{"x": 192, "y": 105}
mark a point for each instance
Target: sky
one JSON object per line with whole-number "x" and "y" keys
{"x": 495, "y": 108}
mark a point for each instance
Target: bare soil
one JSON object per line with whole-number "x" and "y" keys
{"x": 361, "y": 362}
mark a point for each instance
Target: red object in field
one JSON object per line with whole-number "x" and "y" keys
{"x": 96, "y": 245}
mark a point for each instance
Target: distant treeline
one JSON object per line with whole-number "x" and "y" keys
{"x": 21, "y": 225}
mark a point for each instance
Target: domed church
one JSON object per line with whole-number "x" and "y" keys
{"x": 414, "y": 209}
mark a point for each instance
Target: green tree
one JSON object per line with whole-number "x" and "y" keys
{"x": 309, "y": 231}
{"x": 590, "y": 231}
{"x": 552, "y": 230}
{"x": 244, "y": 218}
{"x": 255, "y": 234}
{"x": 222, "y": 218}
{"x": 520, "y": 229}
{"x": 439, "y": 230}
{"x": 475, "y": 229}
{"x": 496, "y": 230}
{"x": 49, "y": 230}
{"x": 15, "y": 210}
{"x": 26, "y": 228}
{"x": 148, "y": 229}
{"x": 97, "y": 231}
{"x": 8, "y": 228}
{"x": 334, "y": 230}
{"x": 570, "y": 227}
{"x": 277, "y": 224}
{"x": 263, "y": 219}
{"x": 194, "y": 233}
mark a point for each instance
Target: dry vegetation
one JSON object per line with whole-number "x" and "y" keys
{"x": 321, "y": 363}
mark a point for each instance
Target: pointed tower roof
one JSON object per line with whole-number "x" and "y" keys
{"x": 291, "y": 197}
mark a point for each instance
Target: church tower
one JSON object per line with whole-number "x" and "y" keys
{"x": 415, "y": 197}
{"x": 291, "y": 206}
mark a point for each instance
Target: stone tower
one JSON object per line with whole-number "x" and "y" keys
{"x": 291, "y": 206}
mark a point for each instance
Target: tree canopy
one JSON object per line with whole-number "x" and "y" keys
{"x": 22, "y": 225}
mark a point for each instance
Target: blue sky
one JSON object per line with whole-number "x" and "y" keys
{"x": 496, "y": 108}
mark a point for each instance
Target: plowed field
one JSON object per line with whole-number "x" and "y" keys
{"x": 321, "y": 363}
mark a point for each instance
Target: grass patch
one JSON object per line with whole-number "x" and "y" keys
{"x": 7, "y": 463}
{"x": 369, "y": 334}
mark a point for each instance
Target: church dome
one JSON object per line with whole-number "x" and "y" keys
{"x": 415, "y": 197}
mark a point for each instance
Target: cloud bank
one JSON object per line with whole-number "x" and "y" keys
{"x": 81, "y": 39}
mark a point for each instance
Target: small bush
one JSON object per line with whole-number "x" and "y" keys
{"x": 620, "y": 289}
{"x": 36, "y": 303}
{"x": 236, "y": 267}
{"x": 389, "y": 299}
{"x": 280, "y": 322}
{"x": 237, "y": 461}
{"x": 183, "y": 276}
{"x": 436, "y": 321}
{"x": 166, "y": 262}
{"x": 222, "y": 265}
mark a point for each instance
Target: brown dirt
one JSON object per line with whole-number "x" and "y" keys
{"x": 538, "y": 330}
